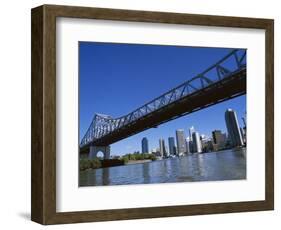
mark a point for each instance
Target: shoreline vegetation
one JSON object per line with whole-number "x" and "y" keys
{"x": 138, "y": 162}
{"x": 96, "y": 163}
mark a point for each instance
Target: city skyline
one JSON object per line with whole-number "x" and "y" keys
{"x": 103, "y": 62}
{"x": 194, "y": 143}
{"x": 190, "y": 133}
{"x": 153, "y": 139}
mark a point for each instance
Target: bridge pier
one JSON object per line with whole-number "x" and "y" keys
{"x": 95, "y": 149}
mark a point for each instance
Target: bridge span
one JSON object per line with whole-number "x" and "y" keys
{"x": 220, "y": 82}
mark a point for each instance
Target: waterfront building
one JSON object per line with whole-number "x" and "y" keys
{"x": 191, "y": 143}
{"x": 207, "y": 145}
{"x": 144, "y": 145}
{"x": 243, "y": 134}
{"x": 197, "y": 147}
{"x": 172, "y": 146}
{"x": 181, "y": 145}
{"x": 219, "y": 139}
{"x": 191, "y": 131}
{"x": 166, "y": 151}
{"x": 162, "y": 147}
{"x": 187, "y": 143}
{"x": 156, "y": 153}
{"x": 224, "y": 136}
{"x": 233, "y": 128}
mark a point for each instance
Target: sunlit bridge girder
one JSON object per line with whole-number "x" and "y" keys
{"x": 227, "y": 67}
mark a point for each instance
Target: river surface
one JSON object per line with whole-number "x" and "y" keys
{"x": 214, "y": 166}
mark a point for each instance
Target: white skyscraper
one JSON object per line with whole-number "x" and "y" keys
{"x": 191, "y": 143}
{"x": 180, "y": 136}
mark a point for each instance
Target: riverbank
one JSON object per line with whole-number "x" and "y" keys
{"x": 96, "y": 163}
{"x": 131, "y": 162}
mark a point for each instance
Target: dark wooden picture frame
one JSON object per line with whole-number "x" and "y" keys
{"x": 43, "y": 197}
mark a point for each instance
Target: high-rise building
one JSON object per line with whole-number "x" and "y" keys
{"x": 144, "y": 145}
{"x": 191, "y": 144}
{"x": 166, "y": 151}
{"x": 191, "y": 131}
{"x": 196, "y": 142}
{"x": 242, "y": 132}
{"x": 162, "y": 148}
{"x": 187, "y": 143}
{"x": 219, "y": 139}
{"x": 233, "y": 128}
{"x": 181, "y": 145}
{"x": 172, "y": 146}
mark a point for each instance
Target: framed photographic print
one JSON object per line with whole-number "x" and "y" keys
{"x": 140, "y": 114}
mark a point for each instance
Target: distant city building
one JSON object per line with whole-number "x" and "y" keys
{"x": 144, "y": 145}
{"x": 162, "y": 148}
{"x": 172, "y": 146}
{"x": 166, "y": 151}
{"x": 187, "y": 143}
{"x": 233, "y": 128}
{"x": 244, "y": 121}
{"x": 224, "y": 137}
{"x": 207, "y": 145}
{"x": 181, "y": 146}
{"x": 219, "y": 139}
{"x": 156, "y": 152}
{"x": 196, "y": 142}
{"x": 243, "y": 134}
{"x": 191, "y": 143}
{"x": 191, "y": 131}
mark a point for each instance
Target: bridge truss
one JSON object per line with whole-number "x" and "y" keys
{"x": 104, "y": 125}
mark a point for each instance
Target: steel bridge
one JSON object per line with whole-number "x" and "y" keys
{"x": 222, "y": 81}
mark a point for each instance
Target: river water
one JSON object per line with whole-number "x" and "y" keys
{"x": 214, "y": 166}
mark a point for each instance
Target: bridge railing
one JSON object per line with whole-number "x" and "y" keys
{"x": 102, "y": 125}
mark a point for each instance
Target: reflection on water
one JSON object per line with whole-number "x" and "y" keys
{"x": 223, "y": 165}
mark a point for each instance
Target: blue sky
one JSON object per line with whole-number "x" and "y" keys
{"x": 115, "y": 79}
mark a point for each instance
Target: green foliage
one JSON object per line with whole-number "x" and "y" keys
{"x": 125, "y": 159}
{"x": 89, "y": 164}
{"x": 152, "y": 157}
{"x": 137, "y": 156}
{"x": 95, "y": 163}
